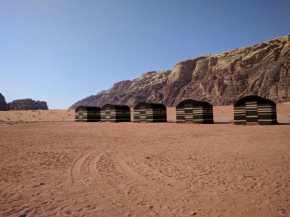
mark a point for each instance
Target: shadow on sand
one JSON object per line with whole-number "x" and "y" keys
{"x": 218, "y": 122}
{"x": 253, "y": 125}
{"x": 283, "y": 124}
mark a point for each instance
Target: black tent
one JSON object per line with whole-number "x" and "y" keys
{"x": 150, "y": 112}
{"x": 115, "y": 113}
{"x": 194, "y": 111}
{"x": 87, "y": 114}
{"x": 255, "y": 109}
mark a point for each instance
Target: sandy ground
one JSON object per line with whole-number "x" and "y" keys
{"x": 37, "y": 116}
{"x": 65, "y": 168}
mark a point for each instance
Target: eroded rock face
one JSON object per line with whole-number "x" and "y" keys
{"x": 27, "y": 104}
{"x": 221, "y": 79}
{"x": 3, "y": 104}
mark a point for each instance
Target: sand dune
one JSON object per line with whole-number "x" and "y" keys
{"x": 65, "y": 168}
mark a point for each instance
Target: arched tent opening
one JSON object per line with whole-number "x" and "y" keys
{"x": 193, "y": 111}
{"x": 115, "y": 113}
{"x": 255, "y": 109}
{"x": 87, "y": 114}
{"x": 150, "y": 112}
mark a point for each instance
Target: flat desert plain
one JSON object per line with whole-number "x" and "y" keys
{"x": 52, "y": 166}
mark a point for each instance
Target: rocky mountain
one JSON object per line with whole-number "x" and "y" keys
{"x": 3, "y": 104}
{"x": 27, "y": 104}
{"x": 221, "y": 79}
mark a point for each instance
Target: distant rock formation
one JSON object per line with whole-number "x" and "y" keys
{"x": 3, "y": 104}
{"x": 221, "y": 79}
{"x": 22, "y": 104}
{"x": 27, "y": 104}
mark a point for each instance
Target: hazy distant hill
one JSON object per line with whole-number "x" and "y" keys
{"x": 263, "y": 69}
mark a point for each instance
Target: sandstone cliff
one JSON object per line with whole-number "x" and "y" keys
{"x": 27, "y": 104}
{"x": 3, "y": 104}
{"x": 263, "y": 69}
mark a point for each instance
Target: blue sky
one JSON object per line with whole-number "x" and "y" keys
{"x": 61, "y": 51}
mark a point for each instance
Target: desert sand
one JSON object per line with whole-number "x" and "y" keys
{"x": 53, "y": 166}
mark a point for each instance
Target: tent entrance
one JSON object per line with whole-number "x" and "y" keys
{"x": 251, "y": 111}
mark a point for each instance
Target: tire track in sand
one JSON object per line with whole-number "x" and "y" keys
{"x": 99, "y": 186}
{"x": 158, "y": 180}
{"x": 157, "y": 210}
{"x": 158, "y": 176}
{"x": 98, "y": 189}
{"x": 162, "y": 208}
{"x": 138, "y": 210}
{"x": 30, "y": 207}
{"x": 76, "y": 169}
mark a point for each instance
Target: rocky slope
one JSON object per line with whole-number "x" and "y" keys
{"x": 27, "y": 104}
{"x": 3, "y": 104}
{"x": 221, "y": 79}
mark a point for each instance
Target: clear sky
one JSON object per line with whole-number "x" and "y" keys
{"x": 61, "y": 51}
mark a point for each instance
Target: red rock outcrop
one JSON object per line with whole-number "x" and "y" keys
{"x": 27, "y": 104}
{"x": 263, "y": 69}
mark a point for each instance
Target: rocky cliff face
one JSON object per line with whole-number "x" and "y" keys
{"x": 27, "y": 104}
{"x": 221, "y": 79}
{"x": 3, "y": 105}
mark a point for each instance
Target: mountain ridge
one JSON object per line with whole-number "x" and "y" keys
{"x": 262, "y": 69}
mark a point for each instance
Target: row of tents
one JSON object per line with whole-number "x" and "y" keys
{"x": 247, "y": 109}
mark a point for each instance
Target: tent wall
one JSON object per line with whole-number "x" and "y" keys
{"x": 159, "y": 113}
{"x": 184, "y": 112}
{"x": 251, "y": 111}
{"x": 123, "y": 114}
{"x": 207, "y": 113}
{"x": 240, "y": 114}
{"x": 143, "y": 113}
{"x": 267, "y": 113}
{"x": 197, "y": 114}
{"x": 108, "y": 114}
